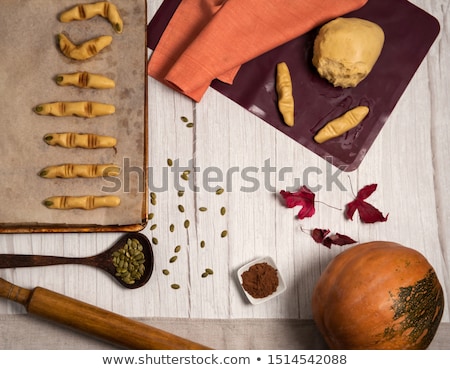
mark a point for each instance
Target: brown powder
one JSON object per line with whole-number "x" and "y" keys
{"x": 260, "y": 280}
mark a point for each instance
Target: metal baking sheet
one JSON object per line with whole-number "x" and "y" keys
{"x": 29, "y": 62}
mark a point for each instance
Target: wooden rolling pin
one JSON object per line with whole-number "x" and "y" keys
{"x": 93, "y": 320}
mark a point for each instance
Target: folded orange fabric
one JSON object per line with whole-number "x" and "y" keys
{"x": 187, "y": 22}
{"x": 207, "y": 39}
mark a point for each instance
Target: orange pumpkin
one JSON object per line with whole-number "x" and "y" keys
{"x": 378, "y": 295}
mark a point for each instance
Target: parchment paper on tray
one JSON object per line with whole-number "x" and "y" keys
{"x": 29, "y": 62}
{"x": 409, "y": 33}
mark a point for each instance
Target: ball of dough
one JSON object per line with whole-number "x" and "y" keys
{"x": 346, "y": 49}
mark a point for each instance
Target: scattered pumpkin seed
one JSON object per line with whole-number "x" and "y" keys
{"x": 166, "y": 272}
{"x": 202, "y": 244}
{"x": 190, "y": 124}
{"x": 219, "y": 191}
{"x": 153, "y": 201}
{"x": 172, "y": 228}
{"x": 153, "y": 227}
{"x": 203, "y": 209}
{"x": 185, "y": 176}
{"x": 169, "y": 162}
{"x": 224, "y": 233}
{"x": 180, "y": 208}
{"x": 180, "y": 193}
{"x": 223, "y": 210}
{"x": 177, "y": 248}
{"x": 150, "y": 216}
{"x": 205, "y": 274}
{"x": 209, "y": 271}
{"x": 153, "y": 195}
{"x": 175, "y": 286}
{"x": 184, "y": 119}
{"x": 187, "y": 223}
{"x": 154, "y": 240}
{"x": 173, "y": 259}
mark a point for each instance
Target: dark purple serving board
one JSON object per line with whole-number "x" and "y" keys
{"x": 409, "y": 33}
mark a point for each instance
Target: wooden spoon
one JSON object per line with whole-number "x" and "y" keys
{"x": 103, "y": 260}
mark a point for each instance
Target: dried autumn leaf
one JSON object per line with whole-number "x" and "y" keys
{"x": 320, "y": 236}
{"x": 367, "y": 212}
{"x": 339, "y": 239}
{"x": 304, "y": 198}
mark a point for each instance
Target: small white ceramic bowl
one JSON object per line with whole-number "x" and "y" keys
{"x": 281, "y": 284}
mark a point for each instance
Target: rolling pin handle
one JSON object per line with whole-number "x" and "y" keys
{"x": 15, "y": 293}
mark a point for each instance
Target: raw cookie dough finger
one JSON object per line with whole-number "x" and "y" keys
{"x": 342, "y": 124}
{"x": 70, "y": 171}
{"x": 86, "y": 202}
{"x": 85, "y": 50}
{"x": 86, "y": 109}
{"x": 284, "y": 91}
{"x": 74, "y": 140}
{"x": 104, "y": 9}
{"x": 85, "y": 80}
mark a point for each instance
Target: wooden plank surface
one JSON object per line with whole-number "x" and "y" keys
{"x": 231, "y": 148}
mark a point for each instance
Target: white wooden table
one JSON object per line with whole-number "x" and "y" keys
{"x": 408, "y": 161}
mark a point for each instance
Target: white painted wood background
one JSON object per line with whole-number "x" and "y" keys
{"x": 408, "y": 161}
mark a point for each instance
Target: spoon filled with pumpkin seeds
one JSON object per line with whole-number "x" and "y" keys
{"x": 129, "y": 260}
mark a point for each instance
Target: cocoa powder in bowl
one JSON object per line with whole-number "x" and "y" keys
{"x": 260, "y": 280}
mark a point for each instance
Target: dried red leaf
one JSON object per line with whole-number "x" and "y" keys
{"x": 320, "y": 236}
{"x": 304, "y": 198}
{"x": 367, "y": 212}
{"x": 341, "y": 239}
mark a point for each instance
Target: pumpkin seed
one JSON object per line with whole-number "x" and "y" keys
{"x": 154, "y": 240}
{"x": 224, "y": 233}
{"x": 219, "y": 191}
{"x": 205, "y": 274}
{"x": 180, "y": 193}
{"x": 129, "y": 261}
{"x": 180, "y": 208}
{"x": 166, "y": 272}
{"x": 153, "y": 195}
{"x": 169, "y": 162}
{"x": 150, "y": 216}
{"x": 153, "y": 201}
{"x": 203, "y": 209}
{"x": 202, "y": 244}
{"x": 186, "y": 224}
{"x": 190, "y": 124}
{"x": 223, "y": 210}
{"x": 175, "y": 286}
{"x": 184, "y": 119}
{"x": 173, "y": 259}
{"x": 153, "y": 227}
{"x": 185, "y": 176}
{"x": 172, "y": 228}
{"x": 209, "y": 271}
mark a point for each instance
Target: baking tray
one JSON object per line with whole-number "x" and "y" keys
{"x": 409, "y": 33}
{"x": 29, "y": 62}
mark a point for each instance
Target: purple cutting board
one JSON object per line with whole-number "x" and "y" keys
{"x": 409, "y": 33}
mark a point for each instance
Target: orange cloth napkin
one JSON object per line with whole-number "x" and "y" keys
{"x": 211, "y": 39}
